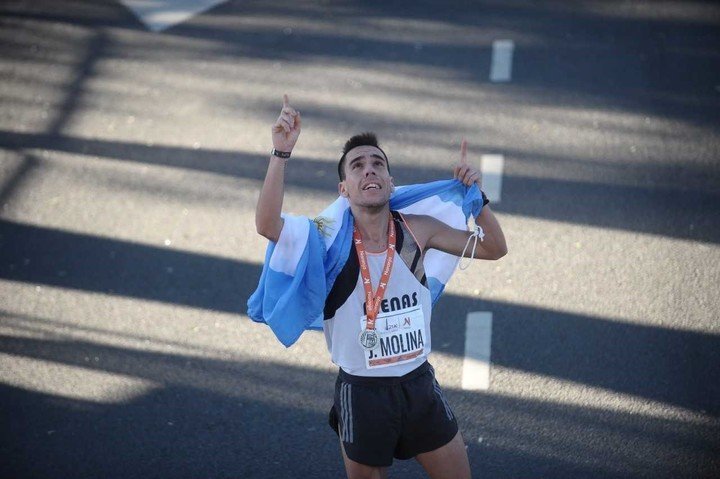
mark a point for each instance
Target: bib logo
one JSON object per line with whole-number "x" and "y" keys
{"x": 394, "y": 323}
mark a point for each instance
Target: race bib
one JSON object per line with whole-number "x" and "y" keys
{"x": 402, "y": 337}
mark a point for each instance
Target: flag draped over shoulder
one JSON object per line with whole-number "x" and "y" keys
{"x": 300, "y": 269}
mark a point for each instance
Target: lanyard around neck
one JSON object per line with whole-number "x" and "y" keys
{"x": 372, "y": 302}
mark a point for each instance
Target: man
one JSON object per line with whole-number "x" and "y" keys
{"x": 377, "y": 313}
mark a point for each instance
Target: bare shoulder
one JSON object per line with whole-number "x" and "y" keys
{"x": 422, "y": 227}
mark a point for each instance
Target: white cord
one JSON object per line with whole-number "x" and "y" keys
{"x": 477, "y": 233}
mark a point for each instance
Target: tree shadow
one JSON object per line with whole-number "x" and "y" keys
{"x": 554, "y": 61}
{"x": 567, "y": 49}
{"x": 675, "y": 367}
{"x": 667, "y": 209}
{"x": 253, "y": 419}
{"x": 663, "y": 364}
{"x": 247, "y": 418}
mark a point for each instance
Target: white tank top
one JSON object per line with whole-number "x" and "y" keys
{"x": 403, "y": 321}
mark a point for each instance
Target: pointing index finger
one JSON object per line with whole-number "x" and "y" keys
{"x": 463, "y": 151}
{"x": 286, "y": 100}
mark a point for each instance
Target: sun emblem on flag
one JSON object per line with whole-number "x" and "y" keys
{"x": 322, "y": 223}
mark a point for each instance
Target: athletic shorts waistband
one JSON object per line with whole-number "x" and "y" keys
{"x": 384, "y": 380}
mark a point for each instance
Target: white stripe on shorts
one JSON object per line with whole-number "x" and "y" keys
{"x": 349, "y": 414}
{"x": 448, "y": 411}
{"x": 346, "y": 427}
{"x": 343, "y": 421}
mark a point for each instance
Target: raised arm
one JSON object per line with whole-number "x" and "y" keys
{"x": 435, "y": 234}
{"x": 285, "y": 133}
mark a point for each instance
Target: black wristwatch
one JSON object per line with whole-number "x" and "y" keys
{"x": 280, "y": 154}
{"x": 485, "y": 198}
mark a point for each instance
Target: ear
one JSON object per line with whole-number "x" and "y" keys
{"x": 392, "y": 184}
{"x": 341, "y": 189}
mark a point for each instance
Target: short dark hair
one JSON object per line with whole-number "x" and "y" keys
{"x": 363, "y": 139}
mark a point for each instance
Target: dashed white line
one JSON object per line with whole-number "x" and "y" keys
{"x": 491, "y": 167}
{"x": 501, "y": 66}
{"x": 476, "y": 364}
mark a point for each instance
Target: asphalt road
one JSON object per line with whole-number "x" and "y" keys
{"x": 131, "y": 161}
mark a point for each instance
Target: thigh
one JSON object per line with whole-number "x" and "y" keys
{"x": 447, "y": 462}
{"x": 355, "y": 470}
{"x": 429, "y": 421}
{"x": 368, "y": 420}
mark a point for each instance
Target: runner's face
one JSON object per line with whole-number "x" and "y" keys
{"x": 367, "y": 180}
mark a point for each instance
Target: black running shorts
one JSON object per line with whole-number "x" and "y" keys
{"x": 381, "y": 418}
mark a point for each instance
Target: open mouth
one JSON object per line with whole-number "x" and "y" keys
{"x": 371, "y": 186}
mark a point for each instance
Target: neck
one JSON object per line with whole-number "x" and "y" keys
{"x": 372, "y": 224}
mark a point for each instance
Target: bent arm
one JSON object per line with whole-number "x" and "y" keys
{"x": 450, "y": 240}
{"x": 493, "y": 244}
{"x": 433, "y": 233}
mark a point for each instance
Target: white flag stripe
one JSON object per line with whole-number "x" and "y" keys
{"x": 476, "y": 364}
{"x": 491, "y": 167}
{"x": 501, "y": 66}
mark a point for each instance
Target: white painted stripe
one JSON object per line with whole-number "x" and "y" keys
{"x": 157, "y": 15}
{"x": 491, "y": 167}
{"x": 501, "y": 66}
{"x": 476, "y": 365}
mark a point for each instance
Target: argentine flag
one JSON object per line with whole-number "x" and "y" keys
{"x": 300, "y": 269}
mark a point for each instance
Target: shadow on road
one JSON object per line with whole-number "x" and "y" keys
{"x": 671, "y": 210}
{"x": 679, "y": 201}
{"x": 588, "y": 350}
{"x": 207, "y": 417}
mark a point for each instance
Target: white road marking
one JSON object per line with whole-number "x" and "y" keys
{"x": 476, "y": 364}
{"x": 157, "y": 15}
{"x": 491, "y": 167}
{"x": 501, "y": 66}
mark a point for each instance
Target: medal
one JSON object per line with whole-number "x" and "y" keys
{"x": 369, "y": 338}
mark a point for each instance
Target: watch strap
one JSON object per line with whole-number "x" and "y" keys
{"x": 280, "y": 154}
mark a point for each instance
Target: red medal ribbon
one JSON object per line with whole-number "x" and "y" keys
{"x": 372, "y": 302}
